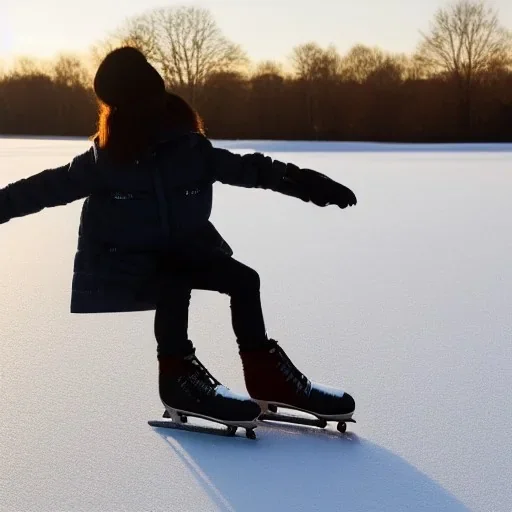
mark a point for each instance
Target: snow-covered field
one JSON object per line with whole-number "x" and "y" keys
{"x": 405, "y": 300}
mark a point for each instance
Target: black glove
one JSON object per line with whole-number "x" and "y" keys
{"x": 313, "y": 186}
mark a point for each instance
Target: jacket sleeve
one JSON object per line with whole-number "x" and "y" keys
{"x": 52, "y": 187}
{"x": 253, "y": 170}
{"x": 259, "y": 171}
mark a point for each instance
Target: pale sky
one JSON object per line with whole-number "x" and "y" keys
{"x": 266, "y": 29}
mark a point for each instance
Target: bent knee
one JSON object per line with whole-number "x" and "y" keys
{"x": 248, "y": 278}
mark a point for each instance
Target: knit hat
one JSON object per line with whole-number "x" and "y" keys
{"x": 126, "y": 78}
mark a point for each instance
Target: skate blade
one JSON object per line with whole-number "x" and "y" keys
{"x": 267, "y": 407}
{"x": 199, "y": 429}
{"x": 270, "y": 414}
{"x": 178, "y": 419}
{"x": 176, "y": 415}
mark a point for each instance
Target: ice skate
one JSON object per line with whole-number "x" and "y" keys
{"x": 274, "y": 382}
{"x": 187, "y": 389}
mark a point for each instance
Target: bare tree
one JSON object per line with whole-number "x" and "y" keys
{"x": 142, "y": 32}
{"x": 408, "y": 66}
{"x": 185, "y": 43}
{"x": 194, "y": 46}
{"x": 311, "y": 62}
{"x": 268, "y": 68}
{"x": 415, "y": 68}
{"x": 101, "y": 48}
{"x": 389, "y": 74}
{"x": 361, "y": 61}
{"x": 465, "y": 40}
{"x": 68, "y": 70}
{"x": 317, "y": 71}
{"x": 26, "y": 66}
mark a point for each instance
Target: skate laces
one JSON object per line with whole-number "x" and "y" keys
{"x": 198, "y": 381}
{"x": 292, "y": 374}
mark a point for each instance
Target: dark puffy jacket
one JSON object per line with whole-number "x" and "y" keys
{"x": 136, "y": 215}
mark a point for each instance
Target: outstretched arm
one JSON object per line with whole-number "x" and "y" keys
{"x": 52, "y": 187}
{"x": 258, "y": 171}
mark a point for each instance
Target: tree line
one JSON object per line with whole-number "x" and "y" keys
{"x": 457, "y": 86}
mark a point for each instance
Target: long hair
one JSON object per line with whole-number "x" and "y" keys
{"x": 126, "y": 133}
{"x": 180, "y": 116}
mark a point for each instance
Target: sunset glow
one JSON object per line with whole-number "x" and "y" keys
{"x": 266, "y": 29}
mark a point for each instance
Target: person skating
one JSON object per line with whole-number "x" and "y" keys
{"x": 145, "y": 239}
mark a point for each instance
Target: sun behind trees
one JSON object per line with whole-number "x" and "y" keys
{"x": 457, "y": 87}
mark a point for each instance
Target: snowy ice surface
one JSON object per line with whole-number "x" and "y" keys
{"x": 404, "y": 301}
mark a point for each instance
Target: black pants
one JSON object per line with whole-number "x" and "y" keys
{"x": 221, "y": 274}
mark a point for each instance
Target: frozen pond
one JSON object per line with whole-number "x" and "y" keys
{"x": 403, "y": 300}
